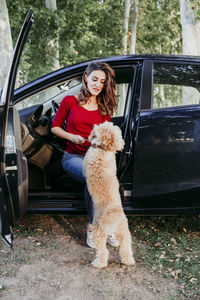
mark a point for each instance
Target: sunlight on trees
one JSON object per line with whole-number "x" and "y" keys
{"x": 190, "y": 27}
{"x": 6, "y": 48}
{"x": 66, "y": 32}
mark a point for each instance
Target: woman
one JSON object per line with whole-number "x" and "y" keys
{"x": 95, "y": 104}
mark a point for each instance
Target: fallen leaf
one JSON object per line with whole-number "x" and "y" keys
{"x": 178, "y": 255}
{"x": 170, "y": 270}
{"x": 176, "y": 273}
{"x": 3, "y": 251}
{"x": 173, "y": 240}
{"x": 187, "y": 259}
{"x": 67, "y": 237}
{"x": 154, "y": 229}
{"x": 192, "y": 280}
{"x": 141, "y": 225}
{"x": 190, "y": 249}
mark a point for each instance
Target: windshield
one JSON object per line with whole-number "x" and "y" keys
{"x": 56, "y": 93}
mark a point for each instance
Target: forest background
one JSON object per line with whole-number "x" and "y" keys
{"x": 67, "y": 32}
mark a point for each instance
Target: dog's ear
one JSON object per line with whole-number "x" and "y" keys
{"x": 108, "y": 139}
{"x": 108, "y": 136}
{"x": 93, "y": 133}
{"x": 119, "y": 142}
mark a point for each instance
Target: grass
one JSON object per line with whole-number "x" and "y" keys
{"x": 3, "y": 289}
{"x": 170, "y": 246}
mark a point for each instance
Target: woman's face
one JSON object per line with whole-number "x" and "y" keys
{"x": 95, "y": 82}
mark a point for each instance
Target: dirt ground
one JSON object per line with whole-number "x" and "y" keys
{"x": 52, "y": 261}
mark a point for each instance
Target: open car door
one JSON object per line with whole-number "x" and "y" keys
{"x": 13, "y": 164}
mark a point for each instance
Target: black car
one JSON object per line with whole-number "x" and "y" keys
{"x": 159, "y": 114}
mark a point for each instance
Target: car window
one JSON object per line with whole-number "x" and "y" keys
{"x": 56, "y": 93}
{"x": 121, "y": 89}
{"x": 124, "y": 79}
{"x": 175, "y": 85}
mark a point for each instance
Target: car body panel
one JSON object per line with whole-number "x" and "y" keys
{"x": 146, "y": 189}
{"x": 167, "y": 151}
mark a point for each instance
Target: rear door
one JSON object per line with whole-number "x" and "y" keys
{"x": 13, "y": 164}
{"x": 167, "y": 150}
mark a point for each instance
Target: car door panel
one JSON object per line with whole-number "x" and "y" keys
{"x": 13, "y": 167}
{"x": 166, "y": 156}
{"x": 16, "y": 166}
{"x": 167, "y": 151}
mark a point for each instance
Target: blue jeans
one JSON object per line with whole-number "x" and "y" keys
{"x": 73, "y": 165}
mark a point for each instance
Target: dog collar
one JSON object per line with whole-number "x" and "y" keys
{"x": 98, "y": 147}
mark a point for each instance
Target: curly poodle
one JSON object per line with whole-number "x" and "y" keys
{"x": 100, "y": 171}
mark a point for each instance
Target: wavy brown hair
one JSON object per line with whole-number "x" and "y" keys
{"x": 106, "y": 99}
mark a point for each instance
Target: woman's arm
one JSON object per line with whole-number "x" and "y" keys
{"x": 59, "y": 118}
{"x": 74, "y": 138}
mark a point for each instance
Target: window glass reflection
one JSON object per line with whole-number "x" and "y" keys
{"x": 175, "y": 85}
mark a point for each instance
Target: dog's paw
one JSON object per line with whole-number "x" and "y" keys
{"x": 129, "y": 262}
{"x": 97, "y": 264}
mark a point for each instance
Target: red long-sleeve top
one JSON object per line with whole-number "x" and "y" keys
{"x": 78, "y": 121}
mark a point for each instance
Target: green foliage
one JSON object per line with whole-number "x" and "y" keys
{"x": 39, "y": 49}
{"x": 92, "y": 29}
{"x": 170, "y": 246}
{"x": 87, "y": 29}
{"x": 159, "y": 27}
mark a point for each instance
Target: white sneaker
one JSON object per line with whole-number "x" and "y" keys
{"x": 90, "y": 238}
{"x": 112, "y": 240}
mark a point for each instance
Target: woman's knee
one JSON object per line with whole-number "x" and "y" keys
{"x": 74, "y": 167}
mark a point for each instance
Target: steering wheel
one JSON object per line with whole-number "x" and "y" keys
{"x": 54, "y": 106}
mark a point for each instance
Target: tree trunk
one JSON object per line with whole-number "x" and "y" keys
{"x": 133, "y": 27}
{"x": 190, "y": 30}
{"x": 51, "y": 4}
{"x": 6, "y": 47}
{"x": 126, "y": 19}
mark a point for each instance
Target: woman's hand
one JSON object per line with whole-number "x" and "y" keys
{"x": 76, "y": 139}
